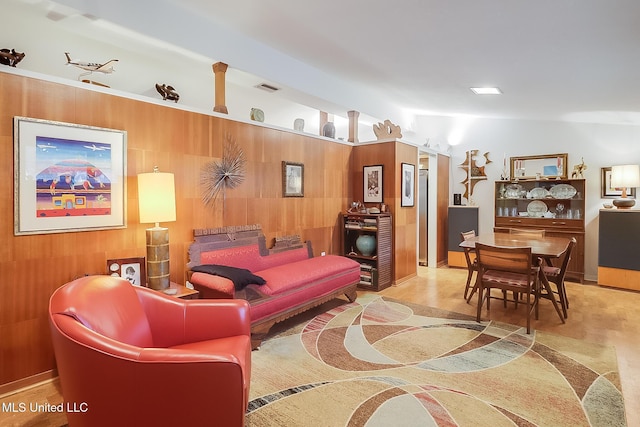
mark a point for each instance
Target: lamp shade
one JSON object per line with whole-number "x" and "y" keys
{"x": 156, "y": 197}
{"x": 625, "y": 176}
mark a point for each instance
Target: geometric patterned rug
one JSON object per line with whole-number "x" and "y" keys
{"x": 383, "y": 362}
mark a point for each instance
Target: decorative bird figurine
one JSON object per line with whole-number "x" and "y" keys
{"x": 10, "y": 57}
{"x": 167, "y": 92}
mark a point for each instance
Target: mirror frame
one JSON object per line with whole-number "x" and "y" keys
{"x": 536, "y": 164}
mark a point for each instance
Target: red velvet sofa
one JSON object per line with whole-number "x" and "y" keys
{"x": 295, "y": 280}
{"x": 128, "y": 355}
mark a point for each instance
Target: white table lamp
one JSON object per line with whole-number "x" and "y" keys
{"x": 156, "y": 204}
{"x": 625, "y": 177}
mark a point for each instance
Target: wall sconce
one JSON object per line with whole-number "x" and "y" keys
{"x": 157, "y": 203}
{"x": 625, "y": 176}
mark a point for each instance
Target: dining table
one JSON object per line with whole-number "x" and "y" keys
{"x": 547, "y": 248}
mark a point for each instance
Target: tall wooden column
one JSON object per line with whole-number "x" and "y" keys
{"x": 219, "y": 70}
{"x": 353, "y": 125}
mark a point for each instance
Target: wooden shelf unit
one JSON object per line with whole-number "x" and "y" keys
{"x": 376, "y": 270}
{"x": 568, "y": 221}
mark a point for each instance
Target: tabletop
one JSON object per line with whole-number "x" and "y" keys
{"x": 551, "y": 247}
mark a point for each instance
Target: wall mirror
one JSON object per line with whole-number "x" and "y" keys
{"x": 546, "y": 166}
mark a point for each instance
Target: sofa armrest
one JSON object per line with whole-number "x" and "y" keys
{"x": 175, "y": 321}
{"x": 212, "y": 286}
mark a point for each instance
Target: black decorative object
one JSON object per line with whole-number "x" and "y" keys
{"x": 10, "y": 57}
{"x": 167, "y": 92}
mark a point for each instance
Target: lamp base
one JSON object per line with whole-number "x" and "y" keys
{"x": 158, "y": 258}
{"x": 624, "y": 203}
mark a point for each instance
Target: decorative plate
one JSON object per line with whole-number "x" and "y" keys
{"x": 513, "y": 191}
{"x": 539, "y": 193}
{"x": 536, "y": 209}
{"x": 563, "y": 191}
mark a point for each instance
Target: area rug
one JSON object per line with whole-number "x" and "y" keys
{"x": 383, "y": 362}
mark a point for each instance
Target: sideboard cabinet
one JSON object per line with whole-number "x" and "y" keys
{"x": 555, "y": 205}
{"x": 618, "y": 237}
{"x": 367, "y": 239}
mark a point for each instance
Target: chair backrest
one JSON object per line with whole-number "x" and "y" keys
{"x": 566, "y": 259}
{"x": 467, "y": 235}
{"x": 527, "y": 232}
{"x": 511, "y": 259}
{"x": 107, "y": 305}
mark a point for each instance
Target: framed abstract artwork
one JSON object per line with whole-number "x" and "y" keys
{"x": 373, "y": 184}
{"x": 408, "y": 184}
{"x": 68, "y": 177}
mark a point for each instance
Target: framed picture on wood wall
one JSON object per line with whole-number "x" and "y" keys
{"x": 373, "y": 184}
{"x": 68, "y": 177}
{"x": 292, "y": 179}
{"x": 408, "y": 184}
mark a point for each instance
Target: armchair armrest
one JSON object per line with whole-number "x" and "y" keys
{"x": 174, "y": 321}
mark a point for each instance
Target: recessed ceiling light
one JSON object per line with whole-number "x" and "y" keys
{"x": 486, "y": 90}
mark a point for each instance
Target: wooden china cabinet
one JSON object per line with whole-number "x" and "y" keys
{"x": 555, "y": 205}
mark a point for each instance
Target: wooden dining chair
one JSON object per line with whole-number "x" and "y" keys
{"x": 507, "y": 269}
{"x": 527, "y": 232}
{"x": 472, "y": 263}
{"x": 556, "y": 275}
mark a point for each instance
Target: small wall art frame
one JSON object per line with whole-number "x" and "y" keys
{"x": 292, "y": 179}
{"x": 68, "y": 177}
{"x": 131, "y": 269}
{"x": 408, "y": 184}
{"x": 372, "y": 184}
{"x": 608, "y": 192}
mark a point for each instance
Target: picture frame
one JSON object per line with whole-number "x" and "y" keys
{"x": 408, "y": 179}
{"x": 131, "y": 269}
{"x": 372, "y": 184}
{"x": 608, "y": 192}
{"x": 547, "y": 166}
{"x": 68, "y": 177}
{"x": 292, "y": 179}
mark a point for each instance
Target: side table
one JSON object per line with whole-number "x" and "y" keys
{"x": 182, "y": 291}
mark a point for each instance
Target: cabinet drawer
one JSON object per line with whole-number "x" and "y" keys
{"x": 546, "y": 223}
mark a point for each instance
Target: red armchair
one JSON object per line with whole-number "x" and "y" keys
{"x": 133, "y": 356}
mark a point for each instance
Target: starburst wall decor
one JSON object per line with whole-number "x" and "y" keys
{"x": 228, "y": 173}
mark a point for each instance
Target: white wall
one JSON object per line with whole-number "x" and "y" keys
{"x": 600, "y": 145}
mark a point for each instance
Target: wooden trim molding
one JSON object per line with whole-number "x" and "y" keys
{"x": 28, "y": 382}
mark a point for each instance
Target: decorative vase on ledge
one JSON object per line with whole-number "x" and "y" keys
{"x": 329, "y": 130}
{"x": 366, "y": 244}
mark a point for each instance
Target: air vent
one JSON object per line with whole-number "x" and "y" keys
{"x": 267, "y": 87}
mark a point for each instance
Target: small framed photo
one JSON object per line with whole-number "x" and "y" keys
{"x": 131, "y": 269}
{"x": 408, "y": 184}
{"x": 373, "y": 184}
{"x": 608, "y": 192}
{"x": 292, "y": 179}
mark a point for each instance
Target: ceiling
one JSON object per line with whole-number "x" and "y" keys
{"x": 567, "y": 60}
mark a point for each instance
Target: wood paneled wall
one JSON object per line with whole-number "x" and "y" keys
{"x": 405, "y": 219}
{"x": 443, "y": 166}
{"x": 178, "y": 141}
